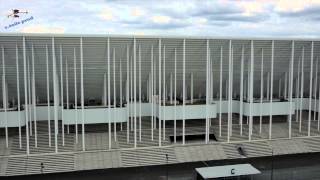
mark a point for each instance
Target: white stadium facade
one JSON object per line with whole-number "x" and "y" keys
{"x": 80, "y": 102}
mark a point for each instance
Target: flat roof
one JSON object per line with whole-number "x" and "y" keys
{"x": 227, "y": 171}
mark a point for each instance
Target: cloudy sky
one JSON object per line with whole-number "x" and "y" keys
{"x": 283, "y": 18}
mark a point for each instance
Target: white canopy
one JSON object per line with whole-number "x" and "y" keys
{"x": 227, "y": 171}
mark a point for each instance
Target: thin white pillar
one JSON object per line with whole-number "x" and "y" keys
{"x": 251, "y": 89}
{"x": 120, "y": 82}
{"x": 75, "y": 92}
{"x": 152, "y": 94}
{"x": 291, "y": 86}
{"x": 310, "y": 89}
{"x": 29, "y": 96}
{"x": 315, "y": 89}
{"x": 159, "y": 89}
{"x": 26, "y": 93}
{"x": 55, "y": 95}
{"x": 135, "y": 91}
{"x": 34, "y": 99}
{"x": 183, "y": 90}
{"x": 82, "y": 94}
{"x": 5, "y": 97}
{"x": 268, "y": 85}
{"x": 114, "y": 96}
{"x": 297, "y": 90}
{"x": 18, "y": 94}
{"x": 175, "y": 97}
{"x": 318, "y": 106}
{"x": 109, "y": 92}
{"x": 67, "y": 90}
{"x": 220, "y": 96}
{"x": 171, "y": 89}
{"x": 271, "y": 90}
{"x": 140, "y": 93}
{"x": 164, "y": 92}
{"x": 207, "y": 90}
{"x": 301, "y": 87}
{"x": 61, "y": 94}
{"x": 131, "y": 92}
{"x": 241, "y": 89}
{"x": 127, "y": 96}
{"x": 261, "y": 91}
{"x": 48, "y": 96}
{"x": 229, "y": 91}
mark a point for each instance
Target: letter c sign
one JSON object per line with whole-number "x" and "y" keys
{"x": 232, "y": 171}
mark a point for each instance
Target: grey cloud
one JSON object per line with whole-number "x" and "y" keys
{"x": 311, "y": 13}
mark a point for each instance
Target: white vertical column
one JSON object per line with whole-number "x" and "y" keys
{"x": 220, "y": 96}
{"x": 159, "y": 89}
{"x": 109, "y": 92}
{"x": 207, "y": 89}
{"x": 131, "y": 93}
{"x": 75, "y": 92}
{"x": 175, "y": 97}
{"x": 18, "y": 94}
{"x": 261, "y": 91}
{"x": 55, "y": 95}
{"x": 241, "y": 89}
{"x": 61, "y": 94}
{"x": 135, "y": 91}
{"x": 318, "y": 103}
{"x": 291, "y": 87}
{"x": 315, "y": 90}
{"x": 152, "y": 94}
{"x": 34, "y": 99}
{"x": 268, "y": 85}
{"x": 301, "y": 88}
{"x": 120, "y": 81}
{"x": 164, "y": 92}
{"x": 67, "y": 90}
{"x": 140, "y": 93}
{"x": 297, "y": 91}
{"x": 154, "y": 88}
{"x": 183, "y": 90}
{"x": 229, "y": 91}
{"x": 310, "y": 89}
{"x": 171, "y": 89}
{"x": 114, "y": 96}
{"x": 48, "y": 96}
{"x": 251, "y": 89}
{"x": 127, "y": 96}
{"x": 4, "y": 97}
{"x": 211, "y": 80}
{"x": 82, "y": 95}
{"x": 29, "y": 95}
{"x": 26, "y": 93}
{"x": 271, "y": 89}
